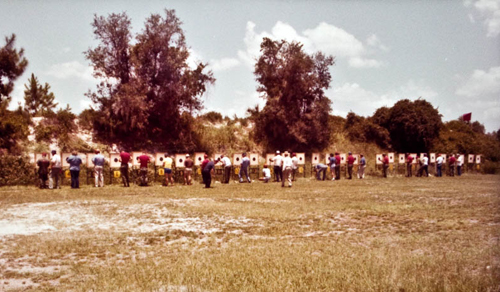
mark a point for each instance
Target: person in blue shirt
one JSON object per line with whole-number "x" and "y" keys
{"x": 98, "y": 162}
{"x": 245, "y": 163}
{"x": 331, "y": 162}
{"x": 362, "y": 165}
{"x": 74, "y": 168}
{"x": 320, "y": 168}
{"x": 207, "y": 172}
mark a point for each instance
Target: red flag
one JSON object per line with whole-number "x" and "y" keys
{"x": 467, "y": 117}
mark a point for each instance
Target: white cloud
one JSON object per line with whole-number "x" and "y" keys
{"x": 71, "y": 70}
{"x": 223, "y": 64}
{"x": 351, "y": 96}
{"x": 326, "y": 38}
{"x": 374, "y": 41}
{"x": 481, "y": 84}
{"x": 357, "y": 62}
{"x": 489, "y": 11}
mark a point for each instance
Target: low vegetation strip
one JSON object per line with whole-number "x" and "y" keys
{"x": 421, "y": 234}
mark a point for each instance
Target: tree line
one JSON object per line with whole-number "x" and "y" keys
{"x": 148, "y": 98}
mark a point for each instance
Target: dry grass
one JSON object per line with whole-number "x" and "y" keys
{"x": 397, "y": 234}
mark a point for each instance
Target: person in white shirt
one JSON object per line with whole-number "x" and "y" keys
{"x": 226, "y": 162}
{"x": 287, "y": 170}
{"x": 425, "y": 166}
{"x": 295, "y": 165}
{"x": 267, "y": 174}
{"x": 460, "y": 162}
{"x": 277, "y": 162}
{"x": 439, "y": 165}
{"x": 56, "y": 167}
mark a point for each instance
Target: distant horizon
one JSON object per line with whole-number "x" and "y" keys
{"x": 385, "y": 51}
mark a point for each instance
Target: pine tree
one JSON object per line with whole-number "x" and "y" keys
{"x": 38, "y": 100}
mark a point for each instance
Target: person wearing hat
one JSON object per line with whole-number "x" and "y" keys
{"x": 188, "y": 169}
{"x": 98, "y": 162}
{"x": 56, "y": 167}
{"x": 74, "y": 168}
{"x": 43, "y": 170}
{"x": 245, "y": 164}
{"x": 278, "y": 163}
{"x": 350, "y": 164}
{"x": 287, "y": 169}
{"x": 267, "y": 174}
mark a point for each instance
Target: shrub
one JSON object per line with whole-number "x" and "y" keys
{"x": 16, "y": 170}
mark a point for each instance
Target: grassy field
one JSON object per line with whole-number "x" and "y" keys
{"x": 396, "y": 234}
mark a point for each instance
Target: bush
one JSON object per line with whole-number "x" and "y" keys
{"x": 16, "y": 170}
{"x": 490, "y": 167}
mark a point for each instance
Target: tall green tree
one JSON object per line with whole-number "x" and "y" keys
{"x": 147, "y": 83}
{"x": 413, "y": 125}
{"x": 13, "y": 124}
{"x": 296, "y": 113}
{"x": 12, "y": 65}
{"x": 38, "y": 100}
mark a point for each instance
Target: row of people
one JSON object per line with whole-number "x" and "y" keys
{"x": 285, "y": 167}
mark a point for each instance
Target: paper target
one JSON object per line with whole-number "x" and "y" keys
{"x": 90, "y": 156}
{"x": 379, "y": 158}
{"x": 414, "y": 155}
{"x": 179, "y": 160}
{"x": 392, "y": 157}
{"x": 254, "y": 159}
{"x": 198, "y": 158}
{"x": 432, "y": 158}
{"x": 343, "y": 158}
{"x": 237, "y": 159}
{"x": 401, "y": 158}
{"x": 135, "y": 161}
{"x": 470, "y": 158}
{"x": 114, "y": 160}
{"x": 315, "y": 158}
{"x": 302, "y": 158}
{"x": 64, "y": 163}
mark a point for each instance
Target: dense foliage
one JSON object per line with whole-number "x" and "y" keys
{"x": 147, "y": 86}
{"x": 16, "y": 170}
{"x": 413, "y": 125}
{"x": 296, "y": 113}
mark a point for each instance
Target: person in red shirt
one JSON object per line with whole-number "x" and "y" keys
{"x": 409, "y": 161}
{"x": 188, "y": 170}
{"x": 124, "y": 159}
{"x": 144, "y": 159}
{"x": 350, "y": 164}
{"x": 337, "y": 165}
{"x": 451, "y": 164}
{"x": 203, "y": 164}
{"x": 385, "y": 164}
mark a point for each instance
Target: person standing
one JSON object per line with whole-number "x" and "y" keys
{"x": 278, "y": 163}
{"x": 74, "y": 168}
{"x": 98, "y": 162}
{"x": 331, "y": 162}
{"x": 226, "y": 162}
{"x": 188, "y": 170}
{"x": 56, "y": 166}
{"x": 362, "y": 165}
{"x": 337, "y": 165}
{"x": 295, "y": 165}
{"x": 43, "y": 170}
{"x": 287, "y": 170}
{"x": 124, "y": 160}
{"x": 424, "y": 167}
{"x": 203, "y": 164}
{"x": 144, "y": 159}
{"x": 167, "y": 167}
{"x": 207, "y": 172}
{"x": 451, "y": 162}
{"x": 460, "y": 162}
{"x": 350, "y": 164}
{"x": 385, "y": 164}
{"x": 409, "y": 161}
{"x": 439, "y": 165}
{"x": 267, "y": 174}
{"x": 245, "y": 164}
{"x": 320, "y": 168}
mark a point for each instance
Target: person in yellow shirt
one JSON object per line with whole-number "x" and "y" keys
{"x": 167, "y": 167}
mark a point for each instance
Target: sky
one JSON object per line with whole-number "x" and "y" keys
{"x": 446, "y": 52}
